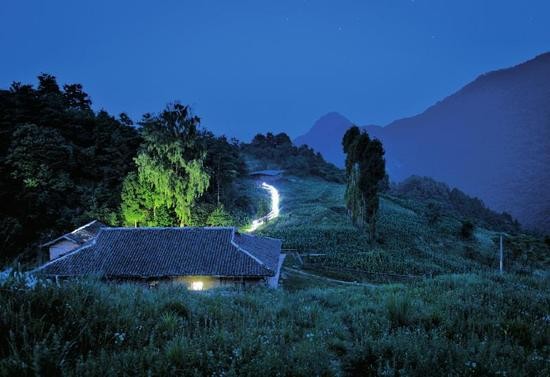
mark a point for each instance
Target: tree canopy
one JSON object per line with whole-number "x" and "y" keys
{"x": 61, "y": 163}
{"x": 278, "y": 151}
{"x": 365, "y": 173}
{"x": 177, "y": 164}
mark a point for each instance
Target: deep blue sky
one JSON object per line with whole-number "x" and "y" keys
{"x": 254, "y": 66}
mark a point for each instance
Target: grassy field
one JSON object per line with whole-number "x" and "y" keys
{"x": 465, "y": 321}
{"x": 452, "y": 325}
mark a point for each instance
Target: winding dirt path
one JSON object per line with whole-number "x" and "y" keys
{"x": 300, "y": 272}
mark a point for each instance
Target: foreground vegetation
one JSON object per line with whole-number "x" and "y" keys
{"x": 452, "y": 325}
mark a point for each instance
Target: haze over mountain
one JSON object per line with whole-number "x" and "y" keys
{"x": 490, "y": 139}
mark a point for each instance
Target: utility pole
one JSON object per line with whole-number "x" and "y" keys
{"x": 501, "y": 256}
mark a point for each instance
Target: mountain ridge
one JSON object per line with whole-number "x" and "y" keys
{"x": 491, "y": 138}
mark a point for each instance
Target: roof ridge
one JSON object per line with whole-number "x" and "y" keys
{"x": 241, "y": 249}
{"x": 111, "y": 228}
{"x": 260, "y": 237}
{"x": 82, "y": 227}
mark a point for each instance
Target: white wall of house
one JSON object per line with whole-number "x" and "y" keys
{"x": 62, "y": 247}
{"x": 273, "y": 282}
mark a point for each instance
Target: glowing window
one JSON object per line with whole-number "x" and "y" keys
{"x": 197, "y": 286}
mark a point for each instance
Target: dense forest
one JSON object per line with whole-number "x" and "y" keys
{"x": 63, "y": 164}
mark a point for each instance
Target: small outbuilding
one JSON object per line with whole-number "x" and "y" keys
{"x": 73, "y": 240}
{"x": 199, "y": 257}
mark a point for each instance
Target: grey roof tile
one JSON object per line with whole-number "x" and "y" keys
{"x": 165, "y": 252}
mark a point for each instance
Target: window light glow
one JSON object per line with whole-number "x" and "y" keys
{"x": 197, "y": 286}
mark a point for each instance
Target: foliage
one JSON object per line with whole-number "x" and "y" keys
{"x": 61, "y": 164}
{"x": 365, "y": 173}
{"x": 220, "y": 217}
{"x": 467, "y": 229}
{"x": 277, "y": 151}
{"x": 176, "y": 165}
{"x": 433, "y": 213}
{"x": 433, "y": 193}
{"x": 451, "y": 325}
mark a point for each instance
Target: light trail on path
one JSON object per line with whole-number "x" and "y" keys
{"x": 275, "y": 210}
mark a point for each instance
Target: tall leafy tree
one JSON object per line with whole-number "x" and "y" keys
{"x": 365, "y": 173}
{"x": 170, "y": 173}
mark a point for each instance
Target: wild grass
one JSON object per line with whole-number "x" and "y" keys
{"x": 451, "y": 325}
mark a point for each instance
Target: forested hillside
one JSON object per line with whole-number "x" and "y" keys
{"x": 278, "y": 151}
{"x": 62, "y": 165}
{"x": 440, "y": 198}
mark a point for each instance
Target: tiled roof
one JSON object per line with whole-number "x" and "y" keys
{"x": 261, "y": 247}
{"x": 165, "y": 252}
{"x": 81, "y": 235}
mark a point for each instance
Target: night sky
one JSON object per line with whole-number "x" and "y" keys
{"x": 257, "y": 66}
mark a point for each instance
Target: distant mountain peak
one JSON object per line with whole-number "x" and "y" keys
{"x": 330, "y": 121}
{"x": 325, "y": 135}
{"x": 333, "y": 115}
{"x": 490, "y": 139}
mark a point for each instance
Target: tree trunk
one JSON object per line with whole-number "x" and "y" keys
{"x": 372, "y": 225}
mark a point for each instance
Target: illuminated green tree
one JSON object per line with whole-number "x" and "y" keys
{"x": 170, "y": 174}
{"x": 219, "y": 217}
{"x": 134, "y": 209}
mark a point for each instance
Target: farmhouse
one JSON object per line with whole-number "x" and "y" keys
{"x": 200, "y": 258}
{"x": 73, "y": 240}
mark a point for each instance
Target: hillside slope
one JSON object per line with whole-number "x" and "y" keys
{"x": 313, "y": 219}
{"x": 491, "y": 139}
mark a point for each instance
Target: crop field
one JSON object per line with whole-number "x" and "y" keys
{"x": 314, "y": 220}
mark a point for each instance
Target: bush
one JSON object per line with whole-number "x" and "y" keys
{"x": 467, "y": 230}
{"x": 399, "y": 310}
{"x": 433, "y": 213}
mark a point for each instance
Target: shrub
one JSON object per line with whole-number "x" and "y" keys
{"x": 399, "y": 309}
{"x": 433, "y": 213}
{"x": 467, "y": 229}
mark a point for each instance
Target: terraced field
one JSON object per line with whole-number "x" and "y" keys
{"x": 314, "y": 220}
